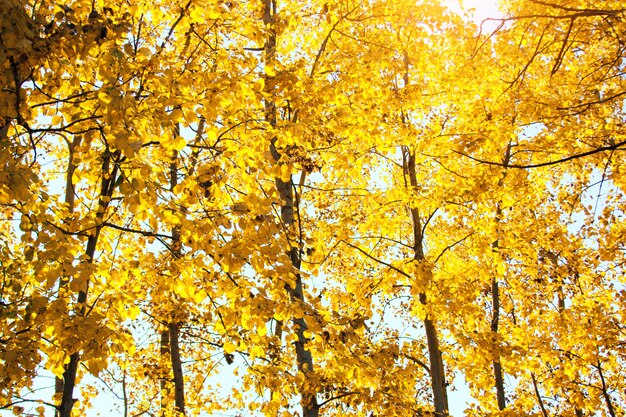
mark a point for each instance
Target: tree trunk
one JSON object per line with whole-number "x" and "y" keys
{"x": 498, "y": 375}
{"x": 497, "y": 367}
{"x": 544, "y": 412}
{"x": 69, "y": 200}
{"x": 106, "y": 191}
{"x": 605, "y": 392}
{"x": 171, "y": 335}
{"x": 177, "y": 369}
{"x": 437, "y": 372}
{"x": 165, "y": 384}
{"x": 309, "y": 404}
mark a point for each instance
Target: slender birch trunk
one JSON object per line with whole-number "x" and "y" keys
{"x": 173, "y": 328}
{"x": 170, "y": 335}
{"x": 304, "y": 359}
{"x": 497, "y": 367}
{"x": 437, "y": 373}
{"x": 165, "y": 383}
{"x": 498, "y": 374}
{"x": 69, "y": 200}
{"x": 177, "y": 369}
{"x": 109, "y": 177}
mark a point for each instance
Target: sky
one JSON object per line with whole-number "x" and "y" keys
{"x": 478, "y": 9}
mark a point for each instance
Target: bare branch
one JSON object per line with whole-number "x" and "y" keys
{"x": 388, "y": 265}
{"x": 452, "y": 245}
{"x": 141, "y": 232}
{"x": 544, "y": 164}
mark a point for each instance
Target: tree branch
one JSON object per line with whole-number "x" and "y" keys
{"x": 141, "y": 232}
{"x": 544, "y": 164}
{"x": 452, "y": 245}
{"x": 401, "y": 272}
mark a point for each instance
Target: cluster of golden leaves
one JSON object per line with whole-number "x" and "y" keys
{"x": 516, "y": 130}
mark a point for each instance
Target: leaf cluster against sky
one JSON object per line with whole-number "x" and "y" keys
{"x": 345, "y": 203}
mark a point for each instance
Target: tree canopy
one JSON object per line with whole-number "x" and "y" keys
{"x": 318, "y": 208}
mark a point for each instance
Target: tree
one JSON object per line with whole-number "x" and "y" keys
{"x": 339, "y": 205}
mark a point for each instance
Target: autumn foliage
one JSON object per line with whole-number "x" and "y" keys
{"x": 312, "y": 208}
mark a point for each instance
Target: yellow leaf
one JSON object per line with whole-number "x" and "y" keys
{"x": 176, "y": 115}
{"x": 179, "y": 143}
{"x": 104, "y": 97}
{"x": 229, "y": 347}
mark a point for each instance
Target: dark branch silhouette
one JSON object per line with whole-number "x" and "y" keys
{"x": 544, "y": 164}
